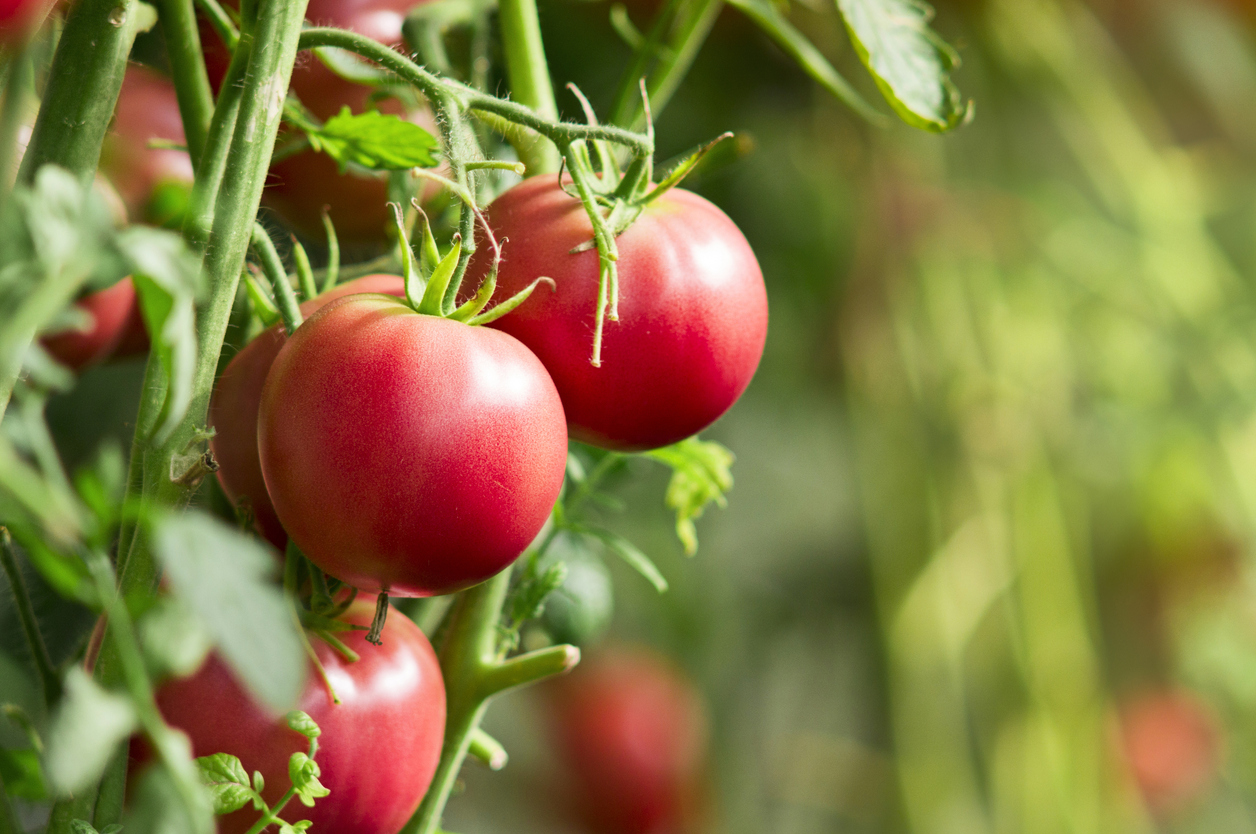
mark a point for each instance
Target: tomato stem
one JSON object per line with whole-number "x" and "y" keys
{"x": 82, "y": 88}
{"x": 187, "y": 67}
{"x": 528, "y": 75}
{"x": 474, "y": 673}
{"x": 377, "y": 623}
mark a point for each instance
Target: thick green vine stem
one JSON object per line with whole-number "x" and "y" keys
{"x": 528, "y": 74}
{"x": 82, "y": 88}
{"x": 187, "y": 66}
{"x": 474, "y": 672}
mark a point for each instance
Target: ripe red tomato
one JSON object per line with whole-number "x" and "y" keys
{"x": 147, "y": 109}
{"x": 378, "y": 749}
{"x": 409, "y": 453}
{"x": 111, "y": 310}
{"x": 692, "y": 312}
{"x": 631, "y": 730}
{"x": 1173, "y": 745}
{"x": 233, "y": 409}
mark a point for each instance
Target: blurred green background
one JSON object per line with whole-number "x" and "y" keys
{"x": 987, "y": 564}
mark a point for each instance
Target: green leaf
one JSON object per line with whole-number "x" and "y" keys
{"x": 303, "y": 724}
{"x": 227, "y": 781}
{"x": 158, "y": 807}
{"x": 174, "y": 641}
{"x": 82, "y": 827}
{"x": 21, "y": 774}
{"x": 88, "y": 724}
{"x": 226, "y": 577}
{"x": 304, "y": 772}
{"x": 166, "y": 277}
{"x": 579, "y": 611}
{"x": 631, "y": 554}
{"x": 768, "y": 17}
{"x": 700, "y": 476}
{"x": 375, "y": 140}
{"x": 907, "y": 59}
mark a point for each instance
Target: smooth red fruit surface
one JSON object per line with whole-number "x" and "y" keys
{"x": 632, "y": 731}
{"x": 233, "y": 409}
{"x": 110, "y": 310}
{"x": 147, "y": 110}
{"x": 406, "y": 452}
{"x": 693, "y": 312}
{"x": 378, "y": 749}
{"x": 1172, "y": 744}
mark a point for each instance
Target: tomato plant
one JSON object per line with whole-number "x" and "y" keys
{"x": 692, "y": 313}
{"x": 233, "y": 410}
{"x": 391, "y": 710}
{"x": 405, "y": 448}
{"x": 632, "y": 732}
{"x": 409, "y": 453}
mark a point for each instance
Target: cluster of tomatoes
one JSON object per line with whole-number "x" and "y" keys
{"x": 411, "y": 454}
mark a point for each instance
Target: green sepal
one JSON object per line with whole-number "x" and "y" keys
{"x": 305, "y": 275}
{"x": 682, "y": 169}
{"x": 499, "y": 310}
{"x": 263, "y": 305}
{"x": 332, "y": 275}
{"x": 433, "y": 301}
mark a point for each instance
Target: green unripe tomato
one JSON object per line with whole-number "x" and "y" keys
{"x": 578, "y": 611}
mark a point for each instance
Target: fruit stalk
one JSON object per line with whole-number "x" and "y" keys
{"x": 474, "y": 673}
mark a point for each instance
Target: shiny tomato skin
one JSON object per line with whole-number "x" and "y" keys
{"x": 233, "y": 409}
{"x": 111, "y": 310}
{"x": 692, "y": 312}
{"x": 631, "y": 730}
{"x": 147, "y": 109}
{"x": 409, "y": 453}
{"x": 378, "y": 749}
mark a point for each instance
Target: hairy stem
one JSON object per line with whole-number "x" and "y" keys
{"x": 529, "y": 77}
{"x": 82, "y": 88}
{"x": 187, "y": 66}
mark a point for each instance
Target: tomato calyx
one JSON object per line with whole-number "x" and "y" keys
{"x": 433, "y": 282}
{"x": 613, "y": 202}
